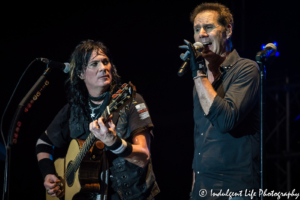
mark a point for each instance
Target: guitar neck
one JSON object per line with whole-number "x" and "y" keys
{"x": 88, "y": 143}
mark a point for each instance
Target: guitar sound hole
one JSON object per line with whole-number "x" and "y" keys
{"x": 71, "y": 175}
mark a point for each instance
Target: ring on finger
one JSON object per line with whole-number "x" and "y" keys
{"x": 48, "y": 192}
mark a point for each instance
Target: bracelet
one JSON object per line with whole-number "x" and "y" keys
{"x": 46, "y": 167}
{"x": 121, "y": 147}
{"x": 201, "y": 75}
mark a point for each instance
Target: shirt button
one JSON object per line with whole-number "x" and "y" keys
{"x": 198, "y": 172}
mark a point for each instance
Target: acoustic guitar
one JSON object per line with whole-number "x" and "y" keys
{"x": 79, "y": 170}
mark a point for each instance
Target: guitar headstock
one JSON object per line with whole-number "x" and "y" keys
{"x": 122, "y": 97}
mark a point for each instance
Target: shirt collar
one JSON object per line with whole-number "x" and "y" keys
{"x": 229, "y": 62}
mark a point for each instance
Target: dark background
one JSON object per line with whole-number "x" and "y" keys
{"x": 143, "y": 37}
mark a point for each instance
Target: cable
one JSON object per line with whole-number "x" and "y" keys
{"x": 2, "y": 135}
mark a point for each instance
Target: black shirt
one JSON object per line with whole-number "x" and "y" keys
{"x": 227, "y": 139}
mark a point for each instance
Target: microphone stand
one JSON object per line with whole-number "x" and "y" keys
{"x": 262, "y": 67}
{"x": 13, "y": 125}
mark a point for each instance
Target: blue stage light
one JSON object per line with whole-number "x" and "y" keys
{"x": 275, "y": 43}
{"x": 277, "y": 54}
{"x": 263, "y": 46}
{"x": 298, "y": 117}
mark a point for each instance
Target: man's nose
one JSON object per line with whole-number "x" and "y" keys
{"x": 202, "y": 33}
{"x": 102, "y": 69}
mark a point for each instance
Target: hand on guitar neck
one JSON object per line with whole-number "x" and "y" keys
{"x": 101, "y": 132}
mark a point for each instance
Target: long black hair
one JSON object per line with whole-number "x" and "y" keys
{"x": 77, "y": 92}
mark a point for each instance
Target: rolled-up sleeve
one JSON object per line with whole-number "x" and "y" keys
{"x": 241, "y": 96}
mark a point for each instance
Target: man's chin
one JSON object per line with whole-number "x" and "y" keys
{"x": 207, "y": 54}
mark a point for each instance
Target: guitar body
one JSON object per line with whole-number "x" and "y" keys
{"x": 86, "y": 178}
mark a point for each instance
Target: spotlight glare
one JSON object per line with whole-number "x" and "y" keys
{"x": 277, "y": 54}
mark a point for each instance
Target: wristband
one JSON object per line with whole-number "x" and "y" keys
{"x": 121, "y": 147}
{"x": 46, "y": 167}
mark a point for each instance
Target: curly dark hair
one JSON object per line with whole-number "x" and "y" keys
{"x": 225, "y": 17}
{"x": 78, "y": 93}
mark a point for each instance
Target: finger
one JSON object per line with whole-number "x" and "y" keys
{"x": 91, "y": 126}
{"x": 185, "y": 56}
{"x": 111, "y": 125}
{"x": 187, "y": 42}
{"x": 54, "y": 190}
{"x": 49, "y": 185}
{"x": 58, "y": 183}
{"x": 101, "y": 124}
{"x": 51, "y": 178}
{"x": 96, "y": 125}
{"x": 190, "y": 45}
{"x": 184, "y": 47}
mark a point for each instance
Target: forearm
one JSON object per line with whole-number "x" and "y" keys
{"x": 136, "y": 152}
{"x": 140, "y": 156}
{"x": 206, "y": 93}
{"x": 44, "y": 150}
{"x": 42, "y": 155}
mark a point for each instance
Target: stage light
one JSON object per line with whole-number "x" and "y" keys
{"x": 277, "y": 54}
{"x": 275, "y": 43}
{"x": 263, "y": 46}
{"x": 297, "y": 118}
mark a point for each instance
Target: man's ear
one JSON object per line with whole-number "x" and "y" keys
{"x": 228, "y": 31}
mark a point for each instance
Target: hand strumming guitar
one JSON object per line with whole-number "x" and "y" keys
{"x": 52, "y": 185}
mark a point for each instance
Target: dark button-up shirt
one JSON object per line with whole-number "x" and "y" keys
{"x": 227, "y": 139}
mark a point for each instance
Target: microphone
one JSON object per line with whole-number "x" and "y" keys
{"x": 268, "y": 51}
{"x": 65, "y": 67}
{"x": 185, "y": 57}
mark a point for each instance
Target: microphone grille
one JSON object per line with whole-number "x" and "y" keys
{"x": 271, "y": 45}
{"x": 198, "y": 45}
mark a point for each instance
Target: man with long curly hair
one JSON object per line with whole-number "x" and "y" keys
{"x": 93, "y": 79}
